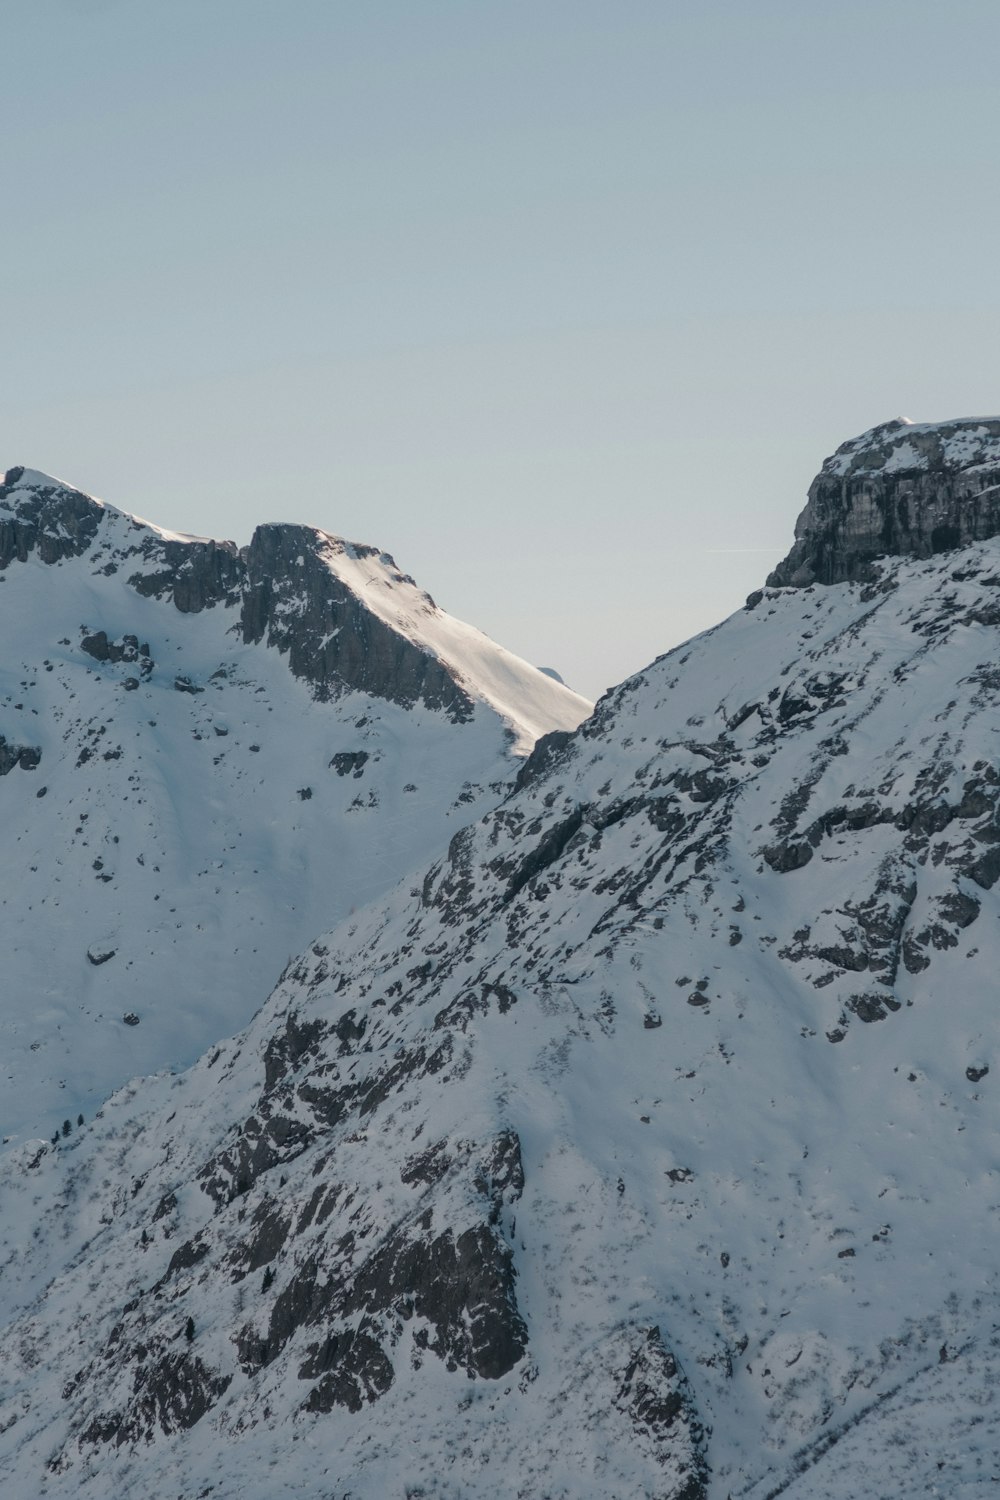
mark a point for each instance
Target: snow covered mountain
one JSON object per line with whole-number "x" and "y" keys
{"x": 645, "y": 1144}
{"x": 206, "y": 755}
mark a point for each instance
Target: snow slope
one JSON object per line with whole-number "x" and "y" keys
{"x": 179, "y": 810}
{"x": 644, "y": 1145}
{"x": 521, "y": 697}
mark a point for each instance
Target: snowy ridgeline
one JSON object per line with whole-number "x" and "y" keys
{"x": 202, "y": 764}
{"x": 912, "y": 447}
{"x": 643, "y": 1145}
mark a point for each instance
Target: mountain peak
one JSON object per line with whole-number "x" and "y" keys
{"x": 903, "y": 488}
{"x": 902, "y": 446}
{"x": 343, "y": 613}
{"x": 18, "y": 477}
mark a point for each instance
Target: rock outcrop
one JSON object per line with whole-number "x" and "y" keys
{"x": 293, "y": 599}
{"x": 44, "y": 517}
{"x": 901, "y": 489}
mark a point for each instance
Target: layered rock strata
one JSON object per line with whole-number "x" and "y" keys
{"x": 901, "y": 489}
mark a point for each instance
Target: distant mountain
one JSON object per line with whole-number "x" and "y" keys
{"x": 642, "y": 1146}
{"x": 206, "y": 753}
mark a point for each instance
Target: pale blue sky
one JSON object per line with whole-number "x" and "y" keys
{"x": 557, "y": 301}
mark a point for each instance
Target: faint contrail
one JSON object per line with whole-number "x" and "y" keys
{"x": 716, "y": 550}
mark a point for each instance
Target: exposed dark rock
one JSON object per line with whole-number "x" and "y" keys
{"x": 195, "y": 575}
{"x": 427, "y": 1167}
{"x": 544, "y": 755}
{"x": 170, "y": 1395}
{"x": 741, "y": 715}
{"x": 463, "y": 1285}
{"x": 165, "y": 1207}
{"x": 459, "y": 1283}
{"x": 97, "y": 646}
{"x": 349, "y": 1030}
{"x": 354, "y": 1367}
{"x": 260, "y": 1146}
{"x": 472, "y": 1003}
{"x": 128, "y": 649}
{"x": 47, "y": 518}
{"x": 821, "y": 691}
{"x": 454, "y": 880}
{"x": 899, "y": 489}
{"x": 186, "y": 1256}
{"x": 872, "y": 1007}
{"x": 546, "y": 852}
{"x": 349, "y": 762}
{"x": 702, "y": 785}
{"x": 330, "y": 637}
{"x": 25, "y": 756}
{"x": 269, "y": 1231}
{"x": 655, "y": 1395}
{"x": 286, "y": 1049}
{"x": 985, "y": 870}
{"x": 501, "y": 1173}
{"x": 785, "y": 857}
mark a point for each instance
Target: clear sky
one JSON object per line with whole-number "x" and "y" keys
{"x": 561, "y": 302}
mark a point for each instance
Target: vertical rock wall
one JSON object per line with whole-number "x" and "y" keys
{"x": 901, "y": 489}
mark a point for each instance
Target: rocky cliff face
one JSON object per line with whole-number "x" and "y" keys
{"x": 295, "y": 601}
{"x": 901, "y": 490}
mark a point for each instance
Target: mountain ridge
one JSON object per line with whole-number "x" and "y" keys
{"x": 202, "y": 756}
{"x": 396, "y": 642}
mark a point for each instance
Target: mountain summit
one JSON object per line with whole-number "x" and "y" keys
{"x": 901, "y": 489}
{"x": 206, "y": 754}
